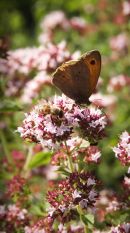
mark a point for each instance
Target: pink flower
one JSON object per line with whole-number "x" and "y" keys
{"x": 78, "y": 24}
{"x": 119, "y": 42}
{"x": 126, "y": 7}
{"x": 118, "y": 82}
{"x": 35, "y": 86}
{"x": 49, "y": 123}
{"x": 92, "y": 123}
{"x": 125, "y": 228}
{"x": 53, "y": 122}
{"x": 25, "y": 63}
{"x": 79, "y": 188}
{"x": 53, "y": 20}
{"x": 122, "y": 150}
{"x": 102, "y": 100}
{"x": 92, "y": 154}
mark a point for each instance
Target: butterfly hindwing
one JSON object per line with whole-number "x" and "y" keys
{"x": 72, "y": 79}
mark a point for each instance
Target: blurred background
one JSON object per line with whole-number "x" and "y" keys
{"x": 36, "y": 37}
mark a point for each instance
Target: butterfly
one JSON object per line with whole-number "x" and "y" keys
{"x": 77, "y": 79}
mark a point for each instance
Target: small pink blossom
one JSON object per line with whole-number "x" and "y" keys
{"x": 122, "y": 150}
{"x": 118, "y": 82}
{"x": 119, "y": 42}
{"x": 125, "y": 228}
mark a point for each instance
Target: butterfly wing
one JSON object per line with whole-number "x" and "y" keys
{"x": 92, "y": 60}
{"x": 72, "y": 78}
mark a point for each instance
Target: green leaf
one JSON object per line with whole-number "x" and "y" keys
{"x": 88, "y": 219}
{"x": 9, "y": 106}
{"x": 41, "y": 158}
{"x": 64, "y": 171}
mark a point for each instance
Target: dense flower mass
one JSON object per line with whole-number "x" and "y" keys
{"x": 40, "y": 58}
{"x": 49, "y": 122}
{"x": 122, "y": 150}
{"x": 54, "y": 122}
{"x": 78, "y": 189}
{"x": 12, "y": 217}
{"x": 92, "y": 123}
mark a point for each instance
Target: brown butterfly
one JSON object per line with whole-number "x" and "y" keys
{"x": 78, "y": 79}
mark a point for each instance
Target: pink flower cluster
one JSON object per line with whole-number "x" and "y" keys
{"x": 107, "y": 202}
{"x": 16, "y": 185}
{"x": 53, "y": 122}
{"x": 124, "y": 228}
{"x": 49, "y": 122}
{"x": 36, "y": 62}
{"x": 43, "y": 225}
{"x": 39, "y": 58}
{"x": 92, "y": 123}
{"x": 58, "y": 19}
{"x": 118, "y": 82}
{"x": 78, "y": 189}
{"x": 12, "y": 216}
{"x": 122, "y": 150}
{"x": 92, "y": 154}
{"x": 119, "y": 42}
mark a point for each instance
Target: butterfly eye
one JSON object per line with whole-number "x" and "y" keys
{"x": 92, "y": 62}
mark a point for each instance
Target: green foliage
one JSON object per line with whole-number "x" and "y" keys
{"x": 41, "y": 158}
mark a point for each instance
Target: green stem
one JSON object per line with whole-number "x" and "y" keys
{"x": 79, "y": 210}
{"x": 5, "y": 148}
{"x": 69, "y": 158}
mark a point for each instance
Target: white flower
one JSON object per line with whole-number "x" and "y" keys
{"x": 90, "y": 181}
{"x": 76, "y": 194}
{"x": 51, "y": 210}
{"x": 96, "y": 156}
{"x": 92, "y": 195}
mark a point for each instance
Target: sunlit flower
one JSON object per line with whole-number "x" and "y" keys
{"x": 49, "y": 122}
{"x": 53, "y": 122}
{"x": 92, "y": 123}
